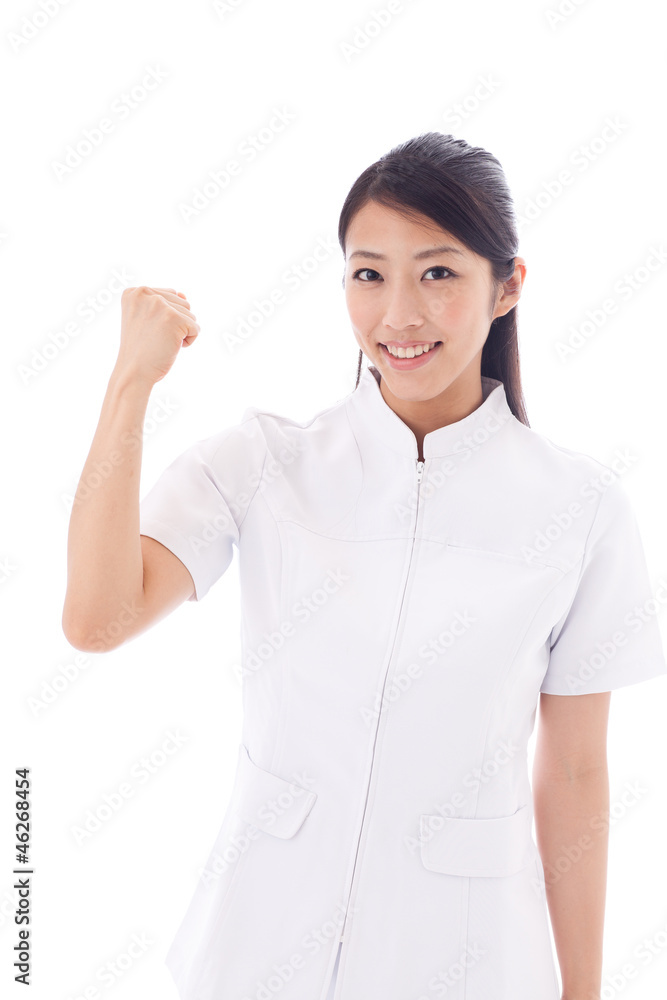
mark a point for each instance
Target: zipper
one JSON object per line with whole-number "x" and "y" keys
{"x": 420, "y": 472}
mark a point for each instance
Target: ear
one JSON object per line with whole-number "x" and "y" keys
{"x": 511, "y": 289}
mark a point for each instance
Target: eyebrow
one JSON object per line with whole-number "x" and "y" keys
{"x": 422, "y": 255}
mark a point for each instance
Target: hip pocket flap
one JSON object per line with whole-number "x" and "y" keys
{"x": 458, "y": 845}
{"x": 269, "y": 802}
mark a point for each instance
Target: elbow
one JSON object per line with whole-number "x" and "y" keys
{"x": 86, "y": 637}
{"x": 99, "y": 626}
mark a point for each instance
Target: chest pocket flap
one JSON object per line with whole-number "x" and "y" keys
{"x": 273, "y": 804}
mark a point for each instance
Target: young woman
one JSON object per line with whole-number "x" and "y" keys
{"x": 419, "y": 570}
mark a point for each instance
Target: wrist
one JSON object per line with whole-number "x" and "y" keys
{"x": 593, "y": 994}
{"x": 126, "y": 379}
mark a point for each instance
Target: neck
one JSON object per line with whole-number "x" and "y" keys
{"x": 422, "y": 416}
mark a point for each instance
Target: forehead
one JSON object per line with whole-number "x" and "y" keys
{"x": 389, "y": 232}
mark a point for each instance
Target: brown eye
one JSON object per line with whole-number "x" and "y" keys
{"x": 440, "y": 267}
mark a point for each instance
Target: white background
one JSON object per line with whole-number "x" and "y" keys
{"x": 555, "y": 81}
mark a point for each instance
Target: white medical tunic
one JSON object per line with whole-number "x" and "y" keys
{"x": 399, "y": 620}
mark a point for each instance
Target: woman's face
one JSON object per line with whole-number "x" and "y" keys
{"x": 401, "y": 291}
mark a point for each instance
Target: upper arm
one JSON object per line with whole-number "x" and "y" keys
{"x": 572, "y": 734}
{"x": 167, "y": 582}
{"x": 189, "y": 521}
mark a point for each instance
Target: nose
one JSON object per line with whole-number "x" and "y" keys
{"x": 403, "y": 308}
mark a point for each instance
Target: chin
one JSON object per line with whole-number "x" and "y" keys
{"x": 415, "y": 386}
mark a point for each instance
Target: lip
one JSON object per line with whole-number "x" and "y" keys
{"x": 405, "y": 343}
{"x": 407, "y": 364}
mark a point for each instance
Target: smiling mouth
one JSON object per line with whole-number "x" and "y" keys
{"x": 411, "y": 352}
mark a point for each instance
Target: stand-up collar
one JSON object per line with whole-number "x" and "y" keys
{"x": 369, "y": 410}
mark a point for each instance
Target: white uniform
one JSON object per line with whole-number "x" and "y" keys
{"x": 399, "y": 619}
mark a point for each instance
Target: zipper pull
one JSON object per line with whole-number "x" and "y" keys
{"x": 420, "y": 470}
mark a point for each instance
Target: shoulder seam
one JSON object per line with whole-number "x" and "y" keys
{"x": 567, "y": 452}
{"x": 594, "y": 520}
{"x": 245, "y": 420}
{"x": 299, "y": 423}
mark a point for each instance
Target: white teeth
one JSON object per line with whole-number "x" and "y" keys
{"x": 410, "y": 352}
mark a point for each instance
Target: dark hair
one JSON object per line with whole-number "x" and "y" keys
{"x": 463, "y": 189}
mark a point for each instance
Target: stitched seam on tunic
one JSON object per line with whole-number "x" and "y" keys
{"x": 542, "y": 563}
{"x": 278, "y": 749}
{"x": 545, "y": 917}
{"x": 222, "y": 444}
{"x": 582, "y": 560}
{"x": 511, "y": 658}
{"x": 343, "y": 538}
{"x": 491, "y": 702}
{"x": 361, "y": 463}
{"x": 206, "y": 954}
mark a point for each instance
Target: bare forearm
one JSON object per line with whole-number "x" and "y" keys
{"x": 573, "y": 845}
{"x": 104, "y": 560}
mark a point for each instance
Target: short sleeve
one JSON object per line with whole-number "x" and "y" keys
{"x": 609, "y": 636}
{"x": 198, "y": 503}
